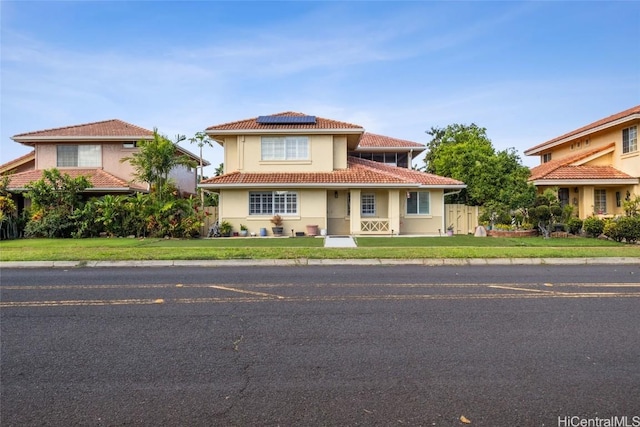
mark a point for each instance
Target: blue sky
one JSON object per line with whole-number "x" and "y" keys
{"x": 526, "y": 71}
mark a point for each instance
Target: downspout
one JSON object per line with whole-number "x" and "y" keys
{"x": 444, "y": 212}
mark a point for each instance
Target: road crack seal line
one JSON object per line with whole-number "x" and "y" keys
{"x": 242, "y": 291}
{"x": 8, "y": 304}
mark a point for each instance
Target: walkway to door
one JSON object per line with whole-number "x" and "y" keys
{"x": 339, "y": 242}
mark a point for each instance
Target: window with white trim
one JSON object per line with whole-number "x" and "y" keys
{"x": 600, "y": 201}
{"x": 285, "y": 148}
{"x": 273, "y": 202}
{"x": 630, "y": 139}
{"x": 79, "y": 156}
{"x": 368, "y": 204}
{"x": 419, "y": 203}
{"x": 546, "y": 158}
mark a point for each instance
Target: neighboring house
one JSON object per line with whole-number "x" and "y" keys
{"x": 595, "y": 167}
{"x": 93, "y": 150}
{"x": 316, "y": 171}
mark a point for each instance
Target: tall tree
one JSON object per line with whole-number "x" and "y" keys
{"x": 154, "y": 161}
{"x": 201, "y": 139}
{"x": 464, "y": 152}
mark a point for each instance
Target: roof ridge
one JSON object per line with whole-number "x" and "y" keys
{"x": 66, "y": 127}
{"x": 18, "y": 159}
{"x": 545, "y": 169}
{"x": 592, "y": 125}
{"x": 251, "y": 123}
{"x": 371, "y": 135}
{"x": 100, "y": 122}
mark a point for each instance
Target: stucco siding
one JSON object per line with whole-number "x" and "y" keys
{"x": 431, "y": 224}
{"x": 312, "y": 207}
{"x": 320, "y": 159}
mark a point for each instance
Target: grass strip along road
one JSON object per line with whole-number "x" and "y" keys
{"x": 113, "y": 249}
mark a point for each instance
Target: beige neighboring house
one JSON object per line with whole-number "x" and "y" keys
{"x": 320, "y": 172}
{"x": 595, "y": 167}
{"x": 93, "y": 150}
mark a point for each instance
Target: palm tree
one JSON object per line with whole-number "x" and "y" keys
{"x": 154, "y": 161}
{"x": 201, "y": 139}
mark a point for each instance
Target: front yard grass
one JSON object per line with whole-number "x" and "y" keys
{"x": 312, "y": 248}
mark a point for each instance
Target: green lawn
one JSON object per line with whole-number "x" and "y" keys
{"x": 306, "y": 247}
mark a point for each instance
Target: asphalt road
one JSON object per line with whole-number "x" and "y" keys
{"x": 320, "y": 346}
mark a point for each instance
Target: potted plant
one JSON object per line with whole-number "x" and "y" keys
{"x": 225, "y": 228}
{"x": 277, "y": 228}
{"x": 450, "y": 230}
{"x": 243, "y": 230}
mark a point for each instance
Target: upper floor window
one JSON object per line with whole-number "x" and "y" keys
{"x": 368, "y": 204}
{"x": 418, "y": 203}
{"x": 273, "y": 202}
{"x": 546, "y": 158}
{"x": 285, "y": 148}
{"x": 79, "y": 156}
{"x": 630, "y": 139}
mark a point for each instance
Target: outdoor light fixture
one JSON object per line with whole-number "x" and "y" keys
{"x": 335, "y": 194}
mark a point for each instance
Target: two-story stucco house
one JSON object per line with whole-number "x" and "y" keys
{"x": 595, "y": 167}
{"x": 316, "y": 171}
{"x": 93, "y": 150}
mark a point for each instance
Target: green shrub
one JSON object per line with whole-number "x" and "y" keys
{"x": 593, "y": 226}
{"x": 575, "y": 225}
{"x": 556, "y": 211}
{"x": 623, "y": 229}
{"x": 53, "y": 223}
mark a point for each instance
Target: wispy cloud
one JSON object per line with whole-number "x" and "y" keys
{"x": 395, "y": 68}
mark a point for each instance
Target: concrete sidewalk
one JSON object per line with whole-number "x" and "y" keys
{"x": 432, "y": 262}
{"x": 339, "y": 242}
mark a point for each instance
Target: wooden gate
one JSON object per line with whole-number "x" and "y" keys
{"x": 209, "y": 219}
{"x": 463, "y": 218}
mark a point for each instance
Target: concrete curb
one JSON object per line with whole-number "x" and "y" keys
{"x": 432, "y": 262}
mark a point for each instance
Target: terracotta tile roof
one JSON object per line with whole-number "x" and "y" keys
{"x": 541, "y": 171}
{"x": 107, "y": 128}
{"x": 621, "y": 115}
{"x": 98, "y": 178}
{"x": 252, "y": 124}
{"x": 11, "y": 164}
{"x": 358, "y": 172}
{"x": 371, "y": 140}
{"x": 586, "y": 172}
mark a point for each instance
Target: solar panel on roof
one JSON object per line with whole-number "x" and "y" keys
{"x": 286, "y": 120}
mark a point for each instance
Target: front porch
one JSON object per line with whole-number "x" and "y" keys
{"x": 604, "y": 200}
{"x": 384, "y": 212}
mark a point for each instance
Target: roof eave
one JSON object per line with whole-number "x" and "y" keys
{"x": 592, "y": 181}
{"x": 535, "y": 151}
{"x": 388, "y": 149}
{"x": 332, "y": 186}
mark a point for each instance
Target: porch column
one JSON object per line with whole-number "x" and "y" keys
{"x": 394, "y": 211}
{"x": 355, "y": 211}
{"x": 587, "y": 202}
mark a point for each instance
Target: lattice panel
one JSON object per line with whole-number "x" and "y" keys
{"x": 374, "y": 226}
